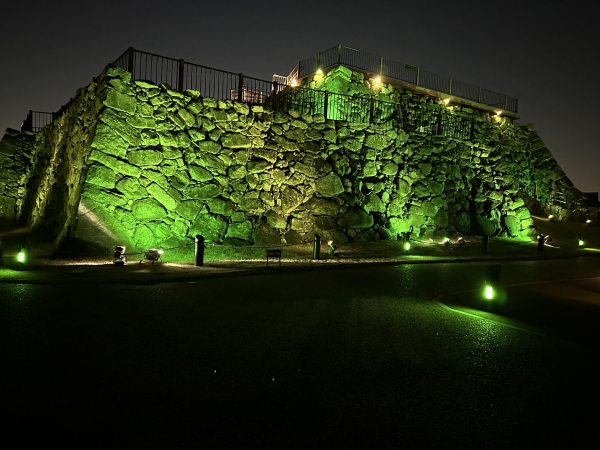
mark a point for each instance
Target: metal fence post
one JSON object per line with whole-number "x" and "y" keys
{"x": 199, "y": 251}
{"x": 240, "y": 87}
{"x": 485, "y": 244}
{"x": 381, "y": 65}
{"x": 181, "y": 71}
{"x": 275, "y": 96}
{"x": 418, "y": 76}
{"x": 372, "y": 109}
{"x": 339, "y": 54}
{"x": 506, "y": 102}
{"x": 479, "y": 96}
{"x": 450, "y": 91}
{"x": 130, "y": 61}
{"x": 326, "y": 104}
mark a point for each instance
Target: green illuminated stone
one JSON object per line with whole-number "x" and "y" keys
{"x": 256, "y": 166}
{"x": 399, "y": 225}
{"x": 374, "y": 204}
{"x": 144, "y": 157}
{"x": 290, "y": 199}
{"x": 329, "y": 185}
{"x": 357, "y": 218}
{"x": 101, "y": 176}
{"x": 187, "y": 117}
{"x": 144, "y": 237}
{"x": 149, "y": 138}
{"x": 159, "y": 229}
{"x": 199, "y": 173}
{"x": 236, "y": 172}
{"x": 370, "y": 169}
{"x": 109, "y": 141}
{"x": 204, "y": 192}
{"x": 251, "y": 205}
{"x": 219, "y": 206}
{"x": 377, "y": 141}
{"x": 324, "y": 223}
{"x": 487, "y": 226}
{"x": 266, "y": 235}
{"x": 211, "y": 227}
{"x": 235, "y": 140}
{"x": 148, "y": 209}
{"x": 321, "y": 206}
{"x": 141, "y": 122}
{"x": 103, "y": 197}
{"x": 241, "y": 230}
{"x": 120, "y": 102}
{"x": 156, "y": 177}
{"x": 269, "y": 155}
{"x": 121, "y": 127}
{"x": 159, "y": 194}
{"x": 275, "y": 220}
{"x": 210, "y": 147}
{"x": 206, "y": 160}
{"x": 189, "y": 209}
{"x": 168, "y": 168}
{"x": 389, "y": 169}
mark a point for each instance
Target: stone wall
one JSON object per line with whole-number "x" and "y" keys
{"x": 59, "y": 170}
{"x": 166, "y": 165}
{"x": 16, "y": 153}
{"x": 145, "y": 166}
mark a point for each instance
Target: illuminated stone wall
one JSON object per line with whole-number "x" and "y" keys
{"x": 145, "y": 166}
{"x": 16, "y": 153}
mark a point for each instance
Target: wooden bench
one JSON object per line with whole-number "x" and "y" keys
{"x": 273, "y": 254}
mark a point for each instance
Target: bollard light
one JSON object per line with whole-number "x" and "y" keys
{"x": 492, "y": 277}
{"x": 21, "y": 256}
{"x": 580, "y": 243}
{"x": 406, "y": 246}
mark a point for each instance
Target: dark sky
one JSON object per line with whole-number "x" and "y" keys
{"x": 547, "y": 54}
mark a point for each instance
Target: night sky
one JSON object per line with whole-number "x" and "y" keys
{"x": 546, "y": 54}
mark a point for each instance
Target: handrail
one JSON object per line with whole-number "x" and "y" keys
{"x": 369, "y": 62}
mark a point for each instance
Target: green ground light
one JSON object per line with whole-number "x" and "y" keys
{"x": 407, "y": 246}
{"x": 21, "y": 256}
{"x": 489, "y": 292}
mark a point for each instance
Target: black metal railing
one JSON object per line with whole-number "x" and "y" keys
{"x": 181, "y": 75}
{"x": 368, "y": 62}
{"x": 36, "y": 120}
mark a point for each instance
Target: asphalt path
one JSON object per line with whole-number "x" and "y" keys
{"x": 384, "y": 356}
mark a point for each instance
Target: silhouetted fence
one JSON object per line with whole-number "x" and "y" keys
{"x": 36, "y": 120}
{"x": 181, "y": 75}
{"x": 367, "y": 62}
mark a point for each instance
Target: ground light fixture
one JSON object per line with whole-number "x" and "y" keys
{"x": 580, "y": 242}
{"x": 492, "y": 277}
{"x": 119, "y": 255}
{"x": 332, "y": 247}
{"x": 153, "y": 255}
{"x": 22, "y": 256}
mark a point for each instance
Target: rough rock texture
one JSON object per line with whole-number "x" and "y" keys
{"x": 16, "y": 153}
{"x": 161, "y": 165}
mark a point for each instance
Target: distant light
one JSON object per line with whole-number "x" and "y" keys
{"x": 445, "y": 240}
{"x": 21, "y": 256}
{"x": 378, "y": 80}
{"x": 588, "y": 221}
{"x": 407, "y": 246}
{"x": 160, "y": 252}
{"x": 551, "y": 216}
{"x": 446, "y": 101}
{"x": 498, "y": 112}
{"x": 319, "y": 72}
{"x": 581, "y": 242}
{"x": 489, "y": 292}
{"x": 294, "y": 83}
